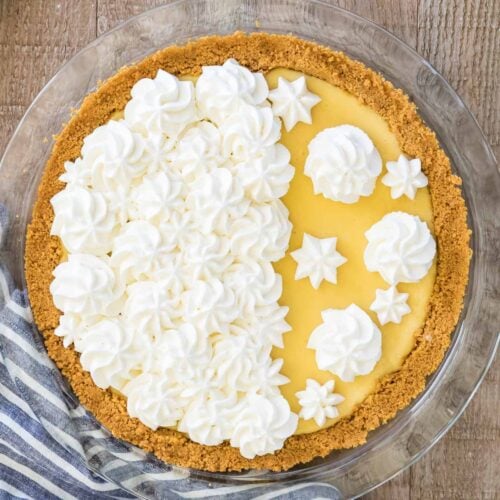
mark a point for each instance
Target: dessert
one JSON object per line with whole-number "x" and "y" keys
{"x": 233, "y": 254}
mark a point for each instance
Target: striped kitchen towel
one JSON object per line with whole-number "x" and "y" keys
{"x": 51, "y": 447}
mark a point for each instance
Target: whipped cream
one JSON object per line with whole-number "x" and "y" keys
{"x": 400, "y": 247}
{"x": 347, "y": 343}
{"x": 156, "y": 197}
{"x": 83, "y": 220}
{"x": 77, "y": 173}
{"x": 72, "y": 328}
{"x": 184, "y": 350}
{"x": 242, "y": 365}
{"x": 263, "y": 424}
{"x": 206, "y": 257}
{"x": 255, "y": 284}
{"x": 292, "y": 101}
{"x": 210, "y": 305}
{"x": 318, "y": 260}
{"x": 207, "y": 420}
{"x": 216, "y": 199}
{"x": 221, "y": 90}
{"x": 268, "y": 323}
{"x": 404, "y": 177}
{"x": 343, "y": 164}
{"x": 153, "y": 400}
{"x": 86, "y": 285}
{"x": 108, "y": 350}
{"x": 249, "y": 132}
{"x": 116, "y": 156}
{"x": 138, "y": 250}
{"x": 198, "y": 151}
{"x": 390, "y": 305}
{"x": 149, "y": 307}
{"x": 164, "y": 104}
{"x": 267, "y": 177}
{"x": 171, "y": 219}
{"x": 262, "y": 234}
{"x": 319, "y": 402}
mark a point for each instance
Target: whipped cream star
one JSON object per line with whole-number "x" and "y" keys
{"x": 404, "y": 177}
{"x": 318, "y": 260}
{"x": 319, "y": 401}
{"x": 390, "y": 305}
{"x": 292, "y": 102}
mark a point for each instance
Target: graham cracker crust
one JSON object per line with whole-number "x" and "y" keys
{"x": 262, "y": 52}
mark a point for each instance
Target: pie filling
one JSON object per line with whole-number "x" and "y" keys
{"x": 321, "y": 217}
{"x": 346, "y": 294}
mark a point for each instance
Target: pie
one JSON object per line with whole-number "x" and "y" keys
{"x": 247, "y": 252}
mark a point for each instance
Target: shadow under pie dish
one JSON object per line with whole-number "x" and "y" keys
{"x": 344, "y": 93}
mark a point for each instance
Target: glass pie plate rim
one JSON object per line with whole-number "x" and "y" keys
{"x": 401, "y": 442}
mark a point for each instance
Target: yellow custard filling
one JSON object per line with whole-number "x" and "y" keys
{"x": 323, "y": 218}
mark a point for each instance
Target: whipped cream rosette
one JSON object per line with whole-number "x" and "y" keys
{"x": 347, "y": 343}
{"x": 343, "y": 164}
{"x": 400, "y": 247}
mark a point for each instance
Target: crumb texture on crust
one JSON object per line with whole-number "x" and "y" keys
{"x": 262, "y": 52}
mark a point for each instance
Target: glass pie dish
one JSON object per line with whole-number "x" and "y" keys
{"x": 396, "y": 445}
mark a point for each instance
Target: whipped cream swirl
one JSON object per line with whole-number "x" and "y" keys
{"x": 343, "y": 164}
{"x": 116, "y": 156}
{"x": 138, "y": 250}
{"x": 156, "y": 197}
{"x": 198, "y": 151}
{"x": 153, "y": 400}
{"x": 263, "y": 424}
{"x": 185, "y": 349}
{"x": 347, "y": 343}
{"x": 221, "y": 90}
{"x": 267, "y": 177}
{"x": 164, "y": 104}
{"x": 262, "y": 234}
{"x": 207, "y": 421}
{"x": 248, "y": 133}
{"x": 400, "y": 247}
{"x": 109, "y": 351}
{"x": 86, "y": 285}
{"x": 84, "y": 221}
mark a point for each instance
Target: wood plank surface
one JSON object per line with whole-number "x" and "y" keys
{"x": 459, "y": 37}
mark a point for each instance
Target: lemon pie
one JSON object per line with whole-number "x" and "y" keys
{"x": 247, "y": 252}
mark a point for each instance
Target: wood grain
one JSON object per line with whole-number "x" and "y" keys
{"x": 36, "y": 38}
{"x": 459, "y": 37}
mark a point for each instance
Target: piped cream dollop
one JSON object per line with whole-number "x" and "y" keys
{"x": 347, "y": 342}
{"x": 343, "y": 164}
{"x": 400, "y": 247}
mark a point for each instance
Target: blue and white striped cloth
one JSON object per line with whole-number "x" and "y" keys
{"x": 50, "y": 446}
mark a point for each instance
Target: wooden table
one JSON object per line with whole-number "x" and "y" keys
{"x": 459, "y": 37}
